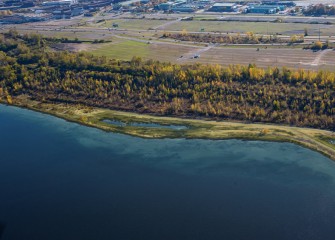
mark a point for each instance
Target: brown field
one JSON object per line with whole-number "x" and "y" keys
{"x": 295, "y": 58}
{"x": 265, "y": 57}
{"x": 256, "y": 27}
{"x": 329, "y": 58}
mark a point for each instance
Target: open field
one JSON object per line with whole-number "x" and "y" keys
{"x": 318, "y": 140}
{"x": 123, "y": 50}
{"x": 221, "y": 26}
{"x": 265, "y": 57}
{"x": 143, "y": 44}
{"x": 133, "y": 38}
{"x": 256, "y": 27}
{"x": 64, "y": 33}
{"x": 126, "y": 49}
{"x": 144, "y": 24}
{"x": 295, "y": 58}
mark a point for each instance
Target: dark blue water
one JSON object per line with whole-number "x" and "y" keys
{"x": 60, "y": 180}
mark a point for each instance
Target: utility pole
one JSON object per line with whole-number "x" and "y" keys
{"x": 319, "y": 33}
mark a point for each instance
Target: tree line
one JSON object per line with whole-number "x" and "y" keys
{"x": 247, "y": 38}
{"x": 294, "y": 97}
{"x": 320, "y": 9}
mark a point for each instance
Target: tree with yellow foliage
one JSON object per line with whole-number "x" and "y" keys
{"x": 9, "y": 99}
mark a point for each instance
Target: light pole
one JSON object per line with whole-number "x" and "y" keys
{"x": 319, "y": 33}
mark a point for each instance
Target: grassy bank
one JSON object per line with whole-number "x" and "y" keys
{"x": 318, "y": 140}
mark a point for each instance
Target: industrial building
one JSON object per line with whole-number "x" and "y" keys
{"x": 280, "y": 3}
{"x": 177, "y": 6}
{"x": 60, "y": 3}
{"x": 223, "y": 7}
{"x": 165, "y": 6}
{"x": 184, "y": 8}
{"x": 265, "y": 9}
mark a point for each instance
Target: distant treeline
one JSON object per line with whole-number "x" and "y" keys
{"x": 76, "y": 40}
{"x": 247, "y": 38}
{"x": 294, "y": 97}
{"x": 320, "y": 9}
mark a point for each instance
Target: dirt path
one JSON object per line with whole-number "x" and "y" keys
{"x": 318, "y": 58}
{"x": 196, "y": 53}
{"x": 73, "y": 47}
{"x": 163, "y": 26}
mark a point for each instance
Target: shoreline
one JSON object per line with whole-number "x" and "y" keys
{"x": 314, "y": 139}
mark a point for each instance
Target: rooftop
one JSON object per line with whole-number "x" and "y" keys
{"x": 224, "y": 4}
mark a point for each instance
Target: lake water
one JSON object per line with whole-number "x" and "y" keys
{"x": 60, "y": 180}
